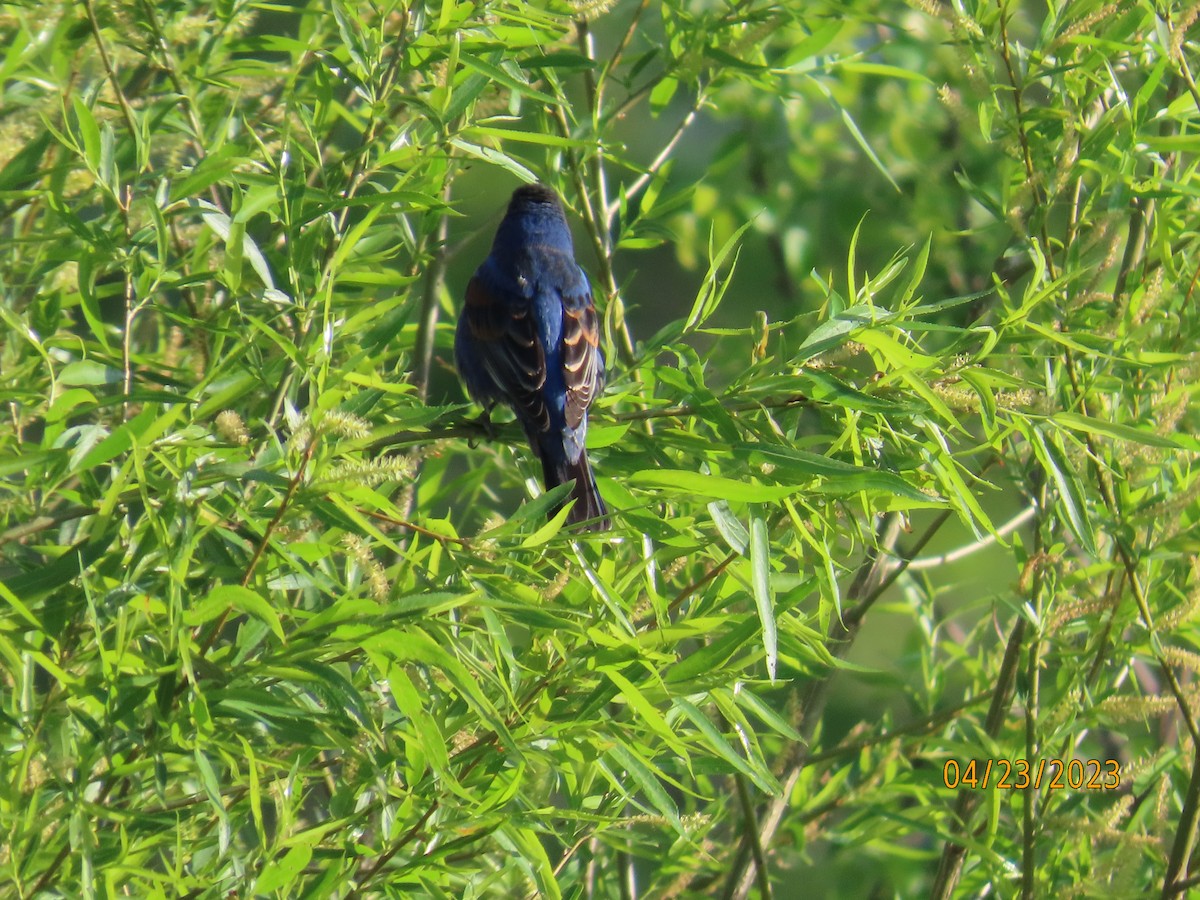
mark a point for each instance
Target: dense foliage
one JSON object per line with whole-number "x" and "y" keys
{"x": 898, "y": 436}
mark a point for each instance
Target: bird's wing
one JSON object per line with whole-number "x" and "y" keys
{"x": 583, "y": 362}
{"x": 507, "y": 339}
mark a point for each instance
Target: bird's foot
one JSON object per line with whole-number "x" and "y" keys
{"x": 484, "y": 424}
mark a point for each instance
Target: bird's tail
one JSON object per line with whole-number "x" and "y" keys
{"x": 589, "y": 507}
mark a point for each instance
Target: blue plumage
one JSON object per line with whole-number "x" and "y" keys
{"x": 528, "y": 337}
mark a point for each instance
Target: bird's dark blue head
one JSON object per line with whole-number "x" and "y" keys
{"x": 535, "y": 216}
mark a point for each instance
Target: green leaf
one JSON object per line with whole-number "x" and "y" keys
{"x": 643, "y": 776}
{"x": 238, "y": 244}
{"x": 729, "y": 526}
{"x": 714, "y": 656}
{"x": 282, "y": 873}
{"x": 524, "y": 137}
{"x": 499, "y": 75}
{"x": 836, "y": 331}
{"x": 747, "y": 699}
{"x": 413, "y": 644}
{"x": 693, "y": 484}
{"x": 1117, "y": 431}
{"x": 838, "y": 477}
{"x": 716, "y": 742}
{"x": 90, "y": 372}
{"x": 561, "y": 60}
{"x": 1071, "y": 495}
{"x": 259, "y": 198}
{"x": 211, "y": 169}
{"x": 233, "y": 596}
{"x": 61, "y": 570}
{"x": 856, "y": 133}
{"x": 496, "y": 157}
{"x": 430, "y": 737}
{"x": 530, "y": 854}
{"x": 19, "y": 606}
{"x": 825, "y": 388}
{"x": 646, "y": 713}
{"x": 760, "y": 570}
{"x": 549, "y": 530}
{"x": 89, "y": 131}
{"x": 713, "y": 290}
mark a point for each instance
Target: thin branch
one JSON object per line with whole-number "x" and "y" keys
{"x": 687, "y": 409}
{"x": 854, "y": 616}
{"x": 1189, "y": 80}
{"x": 1033, "y": 748}
{"x": 357, "y": 172}
{"x": 623, "y": 44}
{"x": 386, "y": 856}
{"x": 356, "y": 178}
{"x": 953, "y": 854}
{"x": 601, "y": 243}
{"x": 111, "y": 71}
{"x": 933, "y": 562}
{"x": 475, "y": 429}
{"x": 919, "y": 728}
{"x": 594, "y": 94}
{"x": 123, "y": 204}
{"x": 50, "y": 520}
{"x": 435, "y": 275}
{"x": 1023, "y": 137}
{"x": 413, "y": 526}
{"x": 1178, "y": 887}
{"x": 750, "y": 832}
{"x": 699, "y": 583}
{"x": 840, "y": 638}
{"x": 1114, "y": 508}
{"x": 463, "y": 429}
{"x": 610, "y": 211}
{"x": 293, "y": 486}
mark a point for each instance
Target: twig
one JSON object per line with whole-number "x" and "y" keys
{"x": 594, "y": 93}
{"x": 435, "y": 273}
{"x": 855, "y": 614}
{"x": 842, "y": 633}
{"x": 385, "y": 857}
{"x": 1023, "y": 137}
{"x": 293, "y": 486}
{"x": 601, "y": 243}
{"x": 639, "y": 183}
{"x": 130, "y": 310}
{"x": 49, "y": 520}
{"x": 699, "y": 583}
{"x": 932, "y": 562}
{"x": 623, "y": 44}
{"x": 356, "y": 178}
{"x": 921, "y": 727}
{"x": 750, "y": 833}
{"x": 1032, "y": 744}
{"x": 111, "y": 71}
{"x": 953, "y": 854}
{"x": 413, "y": 526}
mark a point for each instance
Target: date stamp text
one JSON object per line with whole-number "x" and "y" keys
{"x": 1022, "y": 774}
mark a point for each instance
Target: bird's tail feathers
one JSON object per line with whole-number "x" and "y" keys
{"x": 589, "y": 507}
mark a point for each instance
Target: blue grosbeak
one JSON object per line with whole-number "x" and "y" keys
{"x": 528, "y": 337}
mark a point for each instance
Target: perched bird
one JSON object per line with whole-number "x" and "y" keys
{"x": 528, "y": 338}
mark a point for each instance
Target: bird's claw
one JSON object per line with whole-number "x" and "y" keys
{"x": 483, "y": 424}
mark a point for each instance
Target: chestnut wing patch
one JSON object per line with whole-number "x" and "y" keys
{"x": 583, "y": 365}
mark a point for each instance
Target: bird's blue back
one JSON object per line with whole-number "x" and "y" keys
{"x": 528, "y": 337}
{"x": 531, "y": 267}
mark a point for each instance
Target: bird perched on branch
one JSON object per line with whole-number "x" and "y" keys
{"x": 528, "y": 338}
